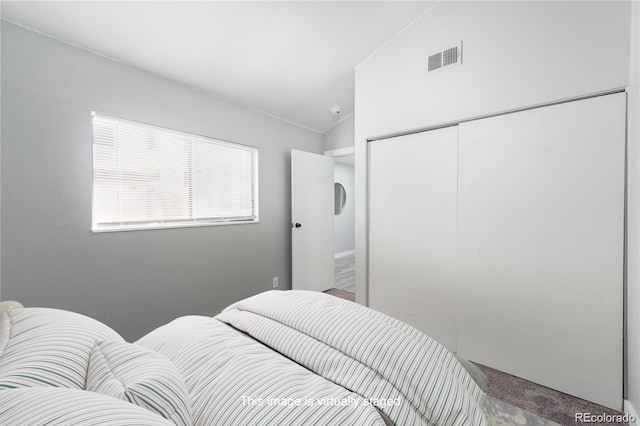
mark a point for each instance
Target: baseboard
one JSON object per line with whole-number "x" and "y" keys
{"x": 629, "y": 409}
{"x": 343, "y": 254}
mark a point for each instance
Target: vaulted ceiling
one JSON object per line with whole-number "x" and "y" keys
{"x": 294, "y": 60}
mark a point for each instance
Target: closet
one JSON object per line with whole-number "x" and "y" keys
{"x": 412, "y": 236}
{"x": 503, "y": 238}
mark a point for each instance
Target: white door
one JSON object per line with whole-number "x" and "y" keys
{"x": 412, "y": 230}
{"x": 540, "y": 245}
{"x": 312, "y": 211}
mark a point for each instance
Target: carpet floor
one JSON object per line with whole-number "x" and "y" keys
{"x": 342, "y": 294}
{"x": 540, "y": 400}
{"x": 528, "y": 396}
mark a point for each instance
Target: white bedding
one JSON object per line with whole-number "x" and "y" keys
{"x": 278, "y": 358}
{"x": 234, "y": 380}
{"x": 297, "y": 358}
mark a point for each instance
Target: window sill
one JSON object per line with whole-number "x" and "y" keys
{"x": 157, "y": 226}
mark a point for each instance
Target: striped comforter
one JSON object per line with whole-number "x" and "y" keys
{"x": 350, "y": 364}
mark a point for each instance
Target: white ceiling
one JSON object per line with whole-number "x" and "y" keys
{"x": 291, "y": 59}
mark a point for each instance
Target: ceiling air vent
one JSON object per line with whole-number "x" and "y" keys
{"x": 445, "y": 58}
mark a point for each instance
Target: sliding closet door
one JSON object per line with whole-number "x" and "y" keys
{"x": 412, "y": 230}
{"x": 540, "y": 245}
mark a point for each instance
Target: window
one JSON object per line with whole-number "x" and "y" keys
{"x": 147, "y": 177}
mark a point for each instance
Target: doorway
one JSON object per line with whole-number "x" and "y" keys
{"x": 344, "y": 221}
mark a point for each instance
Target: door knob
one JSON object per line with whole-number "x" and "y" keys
{"x": 298, "y": 225}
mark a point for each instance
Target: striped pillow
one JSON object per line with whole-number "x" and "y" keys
{"x": 47, "y": 347}
{"x": 140, "y": 376}
{"x": 63, "y": 407}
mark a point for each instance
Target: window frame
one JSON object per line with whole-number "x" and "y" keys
{"x": 173, "y": 223}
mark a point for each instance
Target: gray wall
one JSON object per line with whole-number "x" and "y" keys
{"x": 344, "y": 223}
{"x": 0, "y": 170}
{"x": 133, "y": 281}
{"x": 339, "y": 136}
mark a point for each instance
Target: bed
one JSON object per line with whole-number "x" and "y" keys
{"x": 277, "y": 358}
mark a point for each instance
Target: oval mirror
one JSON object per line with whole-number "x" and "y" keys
{"x": 340, "y": 197}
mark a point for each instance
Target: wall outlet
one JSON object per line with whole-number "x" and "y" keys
{"x": 275, "y": 282}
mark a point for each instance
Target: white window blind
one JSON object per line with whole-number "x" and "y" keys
{"x": 147, "y": 177}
